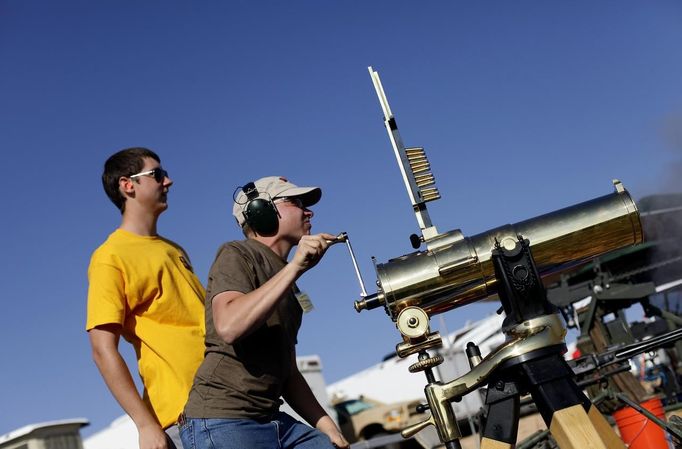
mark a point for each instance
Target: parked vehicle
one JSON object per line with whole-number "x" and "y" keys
{"x": 364, "y": 418}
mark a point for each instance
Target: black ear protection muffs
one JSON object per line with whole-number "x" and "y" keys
{"x": 260, "y": 213}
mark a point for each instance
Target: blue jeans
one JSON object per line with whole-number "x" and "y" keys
{"x": 281, "y": 432}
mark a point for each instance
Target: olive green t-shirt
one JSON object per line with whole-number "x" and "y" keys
{"x": 246, "y": 379}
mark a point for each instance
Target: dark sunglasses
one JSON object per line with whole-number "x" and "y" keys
{"x": 159, "y": 174}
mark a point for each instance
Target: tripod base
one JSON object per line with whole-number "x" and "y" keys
{"x": 573, "y": 421}
{"x": 572, "y": 428}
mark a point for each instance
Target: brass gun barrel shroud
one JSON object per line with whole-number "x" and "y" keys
{"x": 457, "y": 270}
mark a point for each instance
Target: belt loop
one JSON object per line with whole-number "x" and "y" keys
{"x": 182, "y": 419}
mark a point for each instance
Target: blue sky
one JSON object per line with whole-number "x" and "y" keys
{"x": 523, "y": 108}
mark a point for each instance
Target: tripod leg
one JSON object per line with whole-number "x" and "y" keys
{"x": 501, "y": 425}
{"x": 564, "y": 407}
{"x": 572, "y": 429}
{"x": 604, "y": 428}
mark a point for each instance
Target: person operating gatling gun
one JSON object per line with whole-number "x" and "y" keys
{"x": 253, "y": 312}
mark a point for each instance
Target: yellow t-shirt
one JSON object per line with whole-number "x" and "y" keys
{"x": 146, "y": 284}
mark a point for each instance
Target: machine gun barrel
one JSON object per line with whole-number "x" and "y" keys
{"x": 634, "y": 349}
{"x": 456, "y": 270}
{"x": 589, "y": 369}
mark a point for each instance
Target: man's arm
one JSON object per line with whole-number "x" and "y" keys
{"x": 236, "y": 314}
{"x": 300, "y": 397}
{"x": 104, "y": 341}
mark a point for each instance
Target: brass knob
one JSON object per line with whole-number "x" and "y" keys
{"x": 413, "y": 323}
{"x": 423, "y": 364}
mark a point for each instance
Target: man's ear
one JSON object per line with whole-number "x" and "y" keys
{"x": 126, "y": 186}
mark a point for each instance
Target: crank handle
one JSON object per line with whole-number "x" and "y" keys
{"x": 342, "y": 237}
{"x": 412, "y": 430}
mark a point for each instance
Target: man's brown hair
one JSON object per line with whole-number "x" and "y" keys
{"x": 124, "y": 163}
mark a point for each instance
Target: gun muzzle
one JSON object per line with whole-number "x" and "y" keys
{"x": 456, "y": 270}
{"x": 369, "y": 302}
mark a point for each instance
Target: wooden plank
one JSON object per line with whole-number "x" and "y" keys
{"x": 572, "y": 429}
{"x": 604, "y": 429}
{"x": 487, "y": 443}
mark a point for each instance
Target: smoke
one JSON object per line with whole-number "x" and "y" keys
{"x": 671, "y": 132}
{"x": 661, "y": 217}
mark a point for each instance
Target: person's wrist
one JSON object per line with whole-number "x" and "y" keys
{"x": 325, "y": 424}
{"x": 296, "y": 268}
{"x": 148, "y": 425}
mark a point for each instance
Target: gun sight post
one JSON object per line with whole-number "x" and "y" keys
{"x": 413, "y": 164}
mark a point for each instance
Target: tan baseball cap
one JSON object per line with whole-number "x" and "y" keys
{"x": 275, "y": 187}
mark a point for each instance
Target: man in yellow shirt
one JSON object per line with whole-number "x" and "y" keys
{"x": 142, "y": 287}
